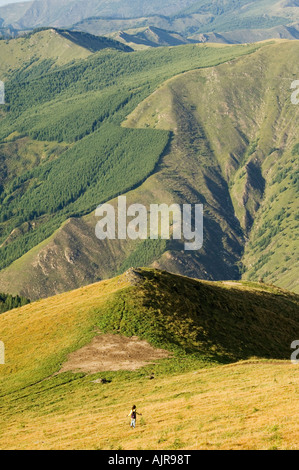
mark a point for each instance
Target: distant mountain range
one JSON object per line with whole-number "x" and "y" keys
{"x": 226, "y": 21}
{"x": 152, "y": 36}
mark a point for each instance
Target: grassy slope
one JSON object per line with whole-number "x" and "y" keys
{"x": 142, "y": 38}
{"x": 44, "y": 45}
{"x": 60, "y": 46}
{"x": 243, "y": 406}
{"x": 202, "y": 323}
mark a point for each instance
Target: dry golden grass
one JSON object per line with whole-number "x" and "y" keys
{"x": 39, "y": 336}
{"x": 248, "y": 405}
{"x": 192, "y": 402}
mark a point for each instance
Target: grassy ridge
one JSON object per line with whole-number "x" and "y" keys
{"x": 243, "y": 406}
{"x": 202, "y": 324}
{"x": 223, "y": 322}
{"x": 201, "y": 321}
{"x": 229, "y": 129}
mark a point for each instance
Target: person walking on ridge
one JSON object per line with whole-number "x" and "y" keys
{"x": 133, "y": 415}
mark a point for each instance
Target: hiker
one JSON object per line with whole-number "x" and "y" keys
{"x": 133, "y": 414}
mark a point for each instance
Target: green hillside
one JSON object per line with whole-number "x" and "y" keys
{"x": 142, "y": 38}
{"x": 201, "y": 326}
{"x": 243, "y": 36}
{"x": 49, "y": 46}
{"x": 194, "y": 128}
{"x": 72, "y": 153}
{"x": 240, "y": 132}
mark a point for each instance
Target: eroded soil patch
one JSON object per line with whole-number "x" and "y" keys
{"x": 113, "y": 352}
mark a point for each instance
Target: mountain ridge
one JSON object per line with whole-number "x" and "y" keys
{"x": 188, "y": 18}
{"x": 62, "y": 137}
{"x": 218, "y": 322}
{"x": 54, "y": 45}
{"x": 61, "y": 350}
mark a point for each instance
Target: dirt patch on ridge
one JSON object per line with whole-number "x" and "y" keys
{"x": 113, "y": 352}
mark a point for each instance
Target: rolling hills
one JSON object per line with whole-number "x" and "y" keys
{"x": 243, "y": 36}
{"x": 230, "y": 21}
{"x": 203, "y": 326}
{"x": 211, "y": 132}
{"x": 133, "y": 100}
{"x": 151, "y": 36}
{"x": 220, "y": 22}
{"x": 66, "y": 12}
{"x": 142, "y": 38}
{"x": 207, "y": 321}
{"x": 59, "y": 125}
{"x": 50, "y": 44}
